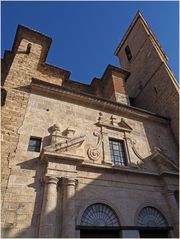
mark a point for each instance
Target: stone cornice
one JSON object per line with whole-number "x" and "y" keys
{"x": 125, "y": 169}
{"x": 56, "y": 90}
{"x": 81, "y": 164}
{"x": 59, "y": 157}
{"x": 166, "y": 173}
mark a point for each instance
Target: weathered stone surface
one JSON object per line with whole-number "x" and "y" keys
{"x": 75, "y": 128}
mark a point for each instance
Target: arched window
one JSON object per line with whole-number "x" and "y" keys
{"x": 99, "y": 215}
{"x": 151, "y": 217}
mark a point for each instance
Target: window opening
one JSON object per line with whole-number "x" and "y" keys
{"x": 34, "y": 144}
{"x": 151, "y": 217}
{"x": 117, "y": 152}
{"x": 128, "y": 53}
{"x": 99, "y": 215}
{"x": 153, "y": 224}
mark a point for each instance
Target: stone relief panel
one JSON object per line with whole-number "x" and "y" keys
{"x": 67, "y": 141}
{"x": 93, "y": 151}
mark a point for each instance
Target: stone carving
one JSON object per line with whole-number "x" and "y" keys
{"x": 113, "y": 120}
{"x": 113, "y": 123}
{"x": 100, "y": 117}
{"x": 66, "y": 142}
{"x": 63, "y": 146}
{"x": 56, "y": 128}
{"x": 56, "y": 133}
{"x": 92, "y": 151}
{"x": 133, "y": 142}
{"x": 163, "y": 161}
{"x": 69, "y": 132}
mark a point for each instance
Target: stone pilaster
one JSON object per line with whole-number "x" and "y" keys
{"x": 169, "y": 194}
{"x": 106, "y": 148}
{"x": 68, "y": 229}
{"x": 49, "y": 208}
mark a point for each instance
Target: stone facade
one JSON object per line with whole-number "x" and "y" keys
{"x": 45, "y": 194}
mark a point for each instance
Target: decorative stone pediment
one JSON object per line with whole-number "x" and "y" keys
{"x": 163, "y": 163}
{"x": 113, "y": 123}
{"x": 157, "y": 161}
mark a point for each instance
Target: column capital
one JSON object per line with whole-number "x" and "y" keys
{"x": 51, "y": 179}
{"x": 71, "y": 181}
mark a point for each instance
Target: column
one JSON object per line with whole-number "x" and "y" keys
{"x": 106, "y": 147}
{"x": 48, "y": 213}
{"x": 173, "y": 209}
{"x": 69, "y": 208}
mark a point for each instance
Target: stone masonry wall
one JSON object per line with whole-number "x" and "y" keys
{"x": 157, "y": 91}
{"x": 32, "y": 113}
{"x": 23, "y": 199}
{"x": 148, "y": 69}
{"x": 23, "y": 67}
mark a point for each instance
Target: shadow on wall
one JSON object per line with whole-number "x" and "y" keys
{"x": 162, "y": 138}
{"x": 107, "y": 188}
{"x": 30, "y": 231}
{"x": 156, "y": 138}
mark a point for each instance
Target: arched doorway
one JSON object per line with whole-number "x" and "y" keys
{"x": 99, "y": 221}
{"x": 152, "y": 223}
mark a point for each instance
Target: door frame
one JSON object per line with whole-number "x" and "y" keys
{"x": 121, "y": 228}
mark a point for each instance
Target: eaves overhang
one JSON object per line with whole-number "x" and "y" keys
{"x": 103, "y": 103}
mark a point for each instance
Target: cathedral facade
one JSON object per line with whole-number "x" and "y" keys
{"x": 98, "y": 160}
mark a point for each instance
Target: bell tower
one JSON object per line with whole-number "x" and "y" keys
{"x": 151, "y": 84}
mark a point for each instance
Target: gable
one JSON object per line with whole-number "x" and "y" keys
{"x": 113, "y": 123}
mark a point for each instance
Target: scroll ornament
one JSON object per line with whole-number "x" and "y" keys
{"x": 92, "y": 151}
{"x": 133, "y": 142}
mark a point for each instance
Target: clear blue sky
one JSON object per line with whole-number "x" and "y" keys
{"x": 86, "y": 34}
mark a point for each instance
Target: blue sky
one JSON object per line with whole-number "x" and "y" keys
{"x": 86, "y": 34}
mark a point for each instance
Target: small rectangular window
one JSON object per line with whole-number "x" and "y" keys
{"x": 3, "y": 96}
{"x": 34, "y": 144}
{"x": 128, "y": 53}
{"x": 117, "y": 151}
